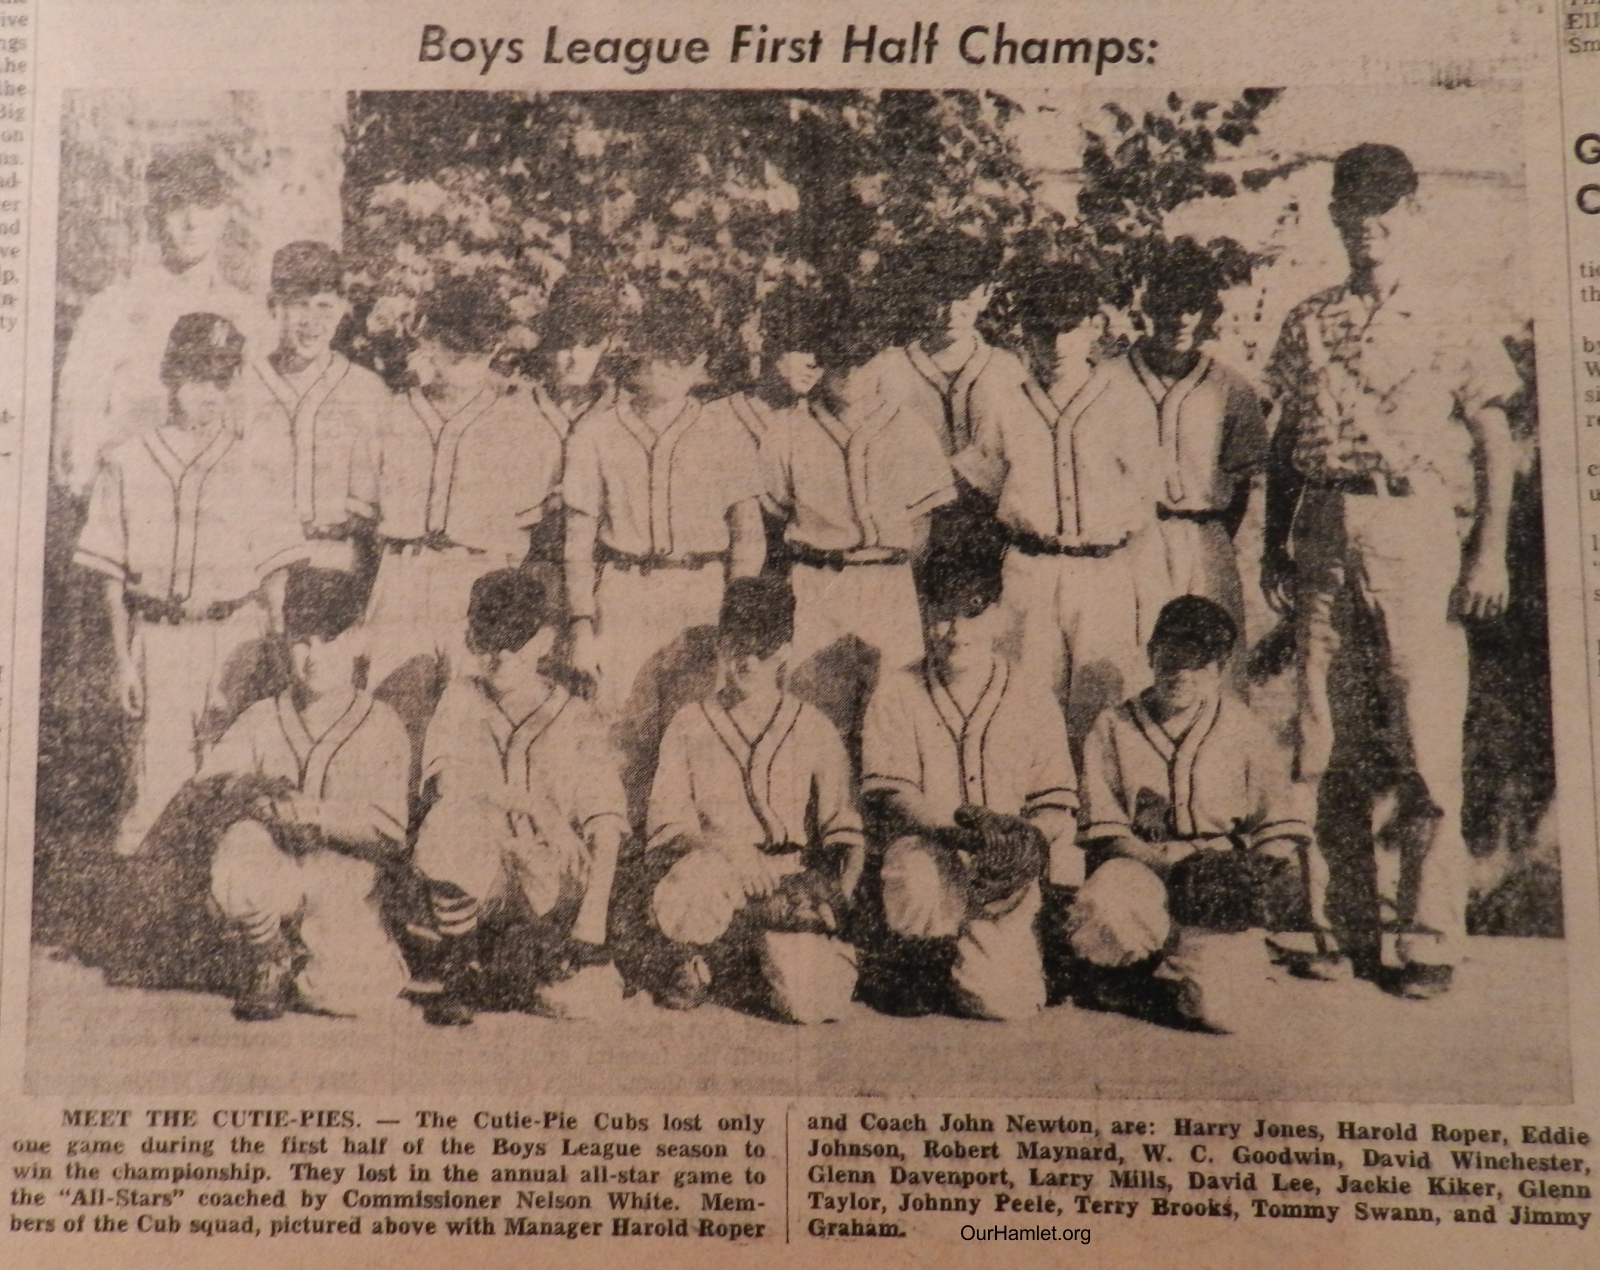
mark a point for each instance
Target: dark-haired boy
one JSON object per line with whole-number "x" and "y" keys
{"x": 1071, "y": 481}
{"x": 192, "y": 531}
{"x": 1208, "y": 425}
{"x": 329, "y": 766}
{"x": 662, "y": 494}
{"x": 971, "y": 781}
{"x": 854, "y": 479}
{"x": 110, "y": 383}
{"x": 934, "y": 377}
{"x": 1189, "y": 811}
{"x": 528, "y": 814}
{"x": 456, "y": 477}
{"x": 326, "y": 405}
{"x": 753, "y": 795}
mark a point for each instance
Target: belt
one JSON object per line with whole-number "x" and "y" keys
{"x": 1394, "y": 486}
{"x": 432, "y": 542}
{"x": 328, "y": 533}
{"x": 804, "y": 553}
{"x": 1210, "y": 516}
{"x": 649, "y": 564}
{"x": 1031, "y": 544}
{"x": 172, "y": 611}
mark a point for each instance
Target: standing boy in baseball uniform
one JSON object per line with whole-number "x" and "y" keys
{"x": 191, "y": 524}
{"x": 663, "y": 504}
{"x": 1388, "y": 500}
{"x": 1193, "y": 829}
{"x": 792, "y": 323}
{"x": 318, "y": 777}
{"x": 933, "y": 377}
{"x": 1208, "y": 425}
{"x": 326, "y": 405}
{"x": 854, "y": 479}
{"x": 1071, "y": 484}
{"x": 970, "y": 780}
{"x": 751, "y": 805}
{"x": 574, "y": 334}
{"x": 528, "y": 813}
{"x": 456, "y": 476}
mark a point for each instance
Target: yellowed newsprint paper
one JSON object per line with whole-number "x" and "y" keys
{"x": 706, "y": 634}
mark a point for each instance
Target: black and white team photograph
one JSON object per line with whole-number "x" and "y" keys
{"x": 815, "y": 592}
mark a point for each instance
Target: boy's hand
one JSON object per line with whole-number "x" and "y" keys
{"x": 754, "y": 870}
{"x": 130, "y": 687}
{"x": 585, "y": 657}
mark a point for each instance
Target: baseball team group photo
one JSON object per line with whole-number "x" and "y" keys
{"x": 828, "y": 591}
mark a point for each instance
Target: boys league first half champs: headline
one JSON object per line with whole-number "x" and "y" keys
{"x": 922, "y": 44}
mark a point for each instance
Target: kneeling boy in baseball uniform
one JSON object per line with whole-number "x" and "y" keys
{"x": 752, "y": 795}
{"x": 1190, "y": 813}
{"x": 972, "y": 783}
{"x": 319, "y": 777}
{"x": 529, "y": 814}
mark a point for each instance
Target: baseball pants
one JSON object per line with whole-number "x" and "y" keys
{"x": 480, "y": 859}
{"x": 1082, "y": 627}
{"x": 999, "y": 971}
{"x": 353, "y": 963}
{"x": 187, "y": 670}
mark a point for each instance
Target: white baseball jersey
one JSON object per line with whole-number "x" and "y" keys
{"x": 197, "y": 528}
{"x": 110, "y": 385}
{"x": 1210, "y": 432}
{"x": 326, "y": 412}
{"x": 360, "y": 765}
{"x": 1077, "y": 473}
{"x": 559, "y": 748}
{"x": 909, "y": 377}
{"x": 716, "y": 787}
{"x": 1225, "y": 775}
{"x": 858, "y": 480}
{"x": 666, "y": 493}
{"x": 481, "y": 478}
{"x": 1008, "y": 754}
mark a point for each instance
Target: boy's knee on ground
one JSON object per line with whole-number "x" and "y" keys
{"x": 697, "y": 899}
{"x": 918, "y": 898}
{"x": 1120, "y": 915}
{"x": 252, "y": 881}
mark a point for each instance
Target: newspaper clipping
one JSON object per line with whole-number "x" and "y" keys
{"x": 701, "y": 634}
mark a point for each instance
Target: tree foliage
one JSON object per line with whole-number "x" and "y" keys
{"x": 735, "y": 195}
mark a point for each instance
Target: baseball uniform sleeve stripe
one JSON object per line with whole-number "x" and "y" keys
{"x": 1280, "y": 829}
{"x": 1107, "y": 829}
{"x": 101, "y": 564}
{"x": 1062, "y": 799}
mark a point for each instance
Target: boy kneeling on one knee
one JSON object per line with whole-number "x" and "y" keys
{"x": 970, "y": 779}
{"x": 753, "y": 791}
{"x": 1191, "y": 816}
{"x": 529, "y": 818}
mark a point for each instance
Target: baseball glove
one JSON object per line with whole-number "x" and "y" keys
{"x": 1007, "y": 853}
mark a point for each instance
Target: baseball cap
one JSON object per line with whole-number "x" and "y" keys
{"x": 202, "y": 347}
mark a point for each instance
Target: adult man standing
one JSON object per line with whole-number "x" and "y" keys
{"x": 1393, "y": 450}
